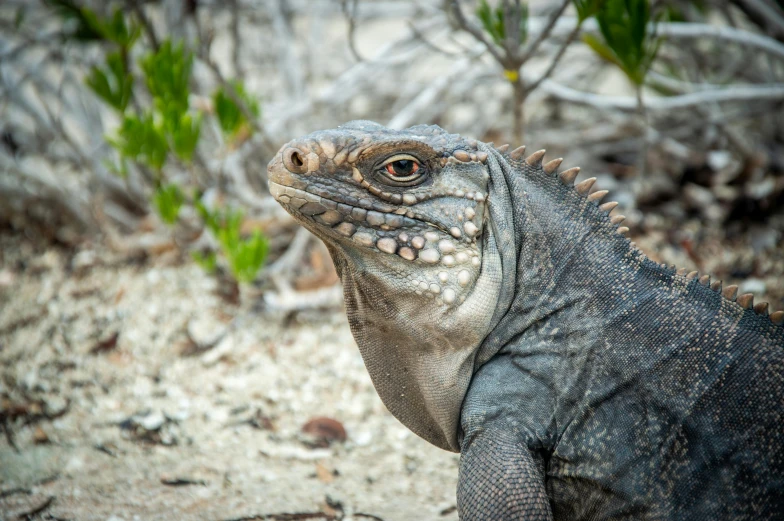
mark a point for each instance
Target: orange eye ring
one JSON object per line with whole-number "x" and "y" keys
{"x": 402, "y": 168}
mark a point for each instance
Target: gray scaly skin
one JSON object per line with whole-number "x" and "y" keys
{"x": 501, "y": 314}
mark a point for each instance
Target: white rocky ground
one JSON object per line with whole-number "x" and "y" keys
{"x": 132, "y": 415}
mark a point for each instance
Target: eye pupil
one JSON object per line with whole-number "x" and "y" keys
{"x": 402, "y": 167}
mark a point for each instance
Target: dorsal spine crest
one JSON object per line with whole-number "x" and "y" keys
{"x": 567, "y": 177}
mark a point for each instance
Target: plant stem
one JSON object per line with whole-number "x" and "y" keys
{"x": 518, "y": 90}
{"x": 642, "y": 165}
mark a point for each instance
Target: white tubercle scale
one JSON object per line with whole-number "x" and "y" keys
{"x": 430, "y": 255}
{"x": 387, "y": 245}
{"x": 446, "y": 246}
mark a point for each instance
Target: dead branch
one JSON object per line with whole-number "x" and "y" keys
{"x": 760, "y": 93}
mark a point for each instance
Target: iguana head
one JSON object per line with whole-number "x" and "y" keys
{"x": 404, "y": 215}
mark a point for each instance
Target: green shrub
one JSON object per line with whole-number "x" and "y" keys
{"x": 112, "y": 83}
{"x": 245, "y": 256}
{"x": 167, "y": 72}
{"x": 230, "y": 117}
{"x": 148, "y": 136}
{"x": 494, "y": 22}
{"x": 586, "y": 9}
{"x": 142, "y": 140}
{"x": 627, "y": 41}
{"x": 168, "y": 200}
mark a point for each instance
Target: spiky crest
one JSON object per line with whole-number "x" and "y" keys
{"x": 567, "y": 177}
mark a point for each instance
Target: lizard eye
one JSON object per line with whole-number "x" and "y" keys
{"x": 402, "y": 168}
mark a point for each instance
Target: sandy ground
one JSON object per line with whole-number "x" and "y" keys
{"x": 110, "y": 416}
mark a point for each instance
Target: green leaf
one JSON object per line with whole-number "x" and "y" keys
{"x": 207, "y": 260}
{"x": 168, "y": 200}
{"x": 627, "y": 42}
{"x": 141, "y": 140}
{"x": 121, "y": 169}
{"x": 89, "y": 26}
{"x": 586, "y": 8}
{"x": 116, "y": 87}
{"x": 82, "y": 20}
{"x": 210, "y": 218}
{"x": 184, "y": 131}
{"x": 187, "y": 136}
{"x": 601, "y": 49}
{"x": 230, "y": 117}
{"x": 167, "y": 73}
{"x": 494, "y": 22}
{"x": 245, "y": 256}
{"x": 489, "y": 22}
{"x": 116, "y": 30}
{"x": 19, "y": 17}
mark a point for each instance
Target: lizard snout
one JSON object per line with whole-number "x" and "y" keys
{"x": 295, "y": 160}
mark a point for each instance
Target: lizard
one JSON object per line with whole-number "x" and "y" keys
{"x": 502, "y": 313}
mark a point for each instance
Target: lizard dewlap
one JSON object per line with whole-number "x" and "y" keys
{"x": 502, "y": 313}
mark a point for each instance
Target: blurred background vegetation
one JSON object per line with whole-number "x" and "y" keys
{"x": 146, "y": 126}
{"x": 135, "y": 134}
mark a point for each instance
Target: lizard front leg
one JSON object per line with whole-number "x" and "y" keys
{"x": 500, "y": 479}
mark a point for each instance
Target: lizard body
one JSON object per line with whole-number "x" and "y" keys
{"x": 501, "y": 314}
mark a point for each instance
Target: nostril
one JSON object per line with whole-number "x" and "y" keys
{"x": 294, "y": 161}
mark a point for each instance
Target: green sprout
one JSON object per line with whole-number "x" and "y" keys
{"x": 89, "y": 26}
{"x": 586, "y": 9}
{"x": 141, "y": 140}
{"x": 244, "y": 255}
{"x": 168, "y": 200}
{"x": 230, "y": 117}
{"x": 113, "y": 83}
{"x": 627, "y": 42}
{"x": 207, "y": 260}
{"x": 167, "y": 73}
{"x": 184, "y": 130}
{"x": 494, "y": 22}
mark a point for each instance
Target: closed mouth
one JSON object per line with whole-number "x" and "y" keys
{"x": 334, "y": 214}
{"x": 389, "y": 232}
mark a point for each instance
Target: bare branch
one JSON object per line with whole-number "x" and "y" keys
{"x": 761, "y": 93}
{"x": 685, "y": 31}
{"x": 148, "y": 28}
{"x": 545, "y": 33}
{"x": 292, "y": 255}
{"x": 235, "y": 97}
{"x": 300, "y": 300}
{"x": 234, "y": 28}
{"x": 763, "y": 14}
{"x": 554, "y": 62}
{"x": 413, "y": 111}
{"x": 350, "y": 15}
{"x": 290, "y": 64}
{"x": 476, "y": 32}
{"x": 421, "y": 37}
